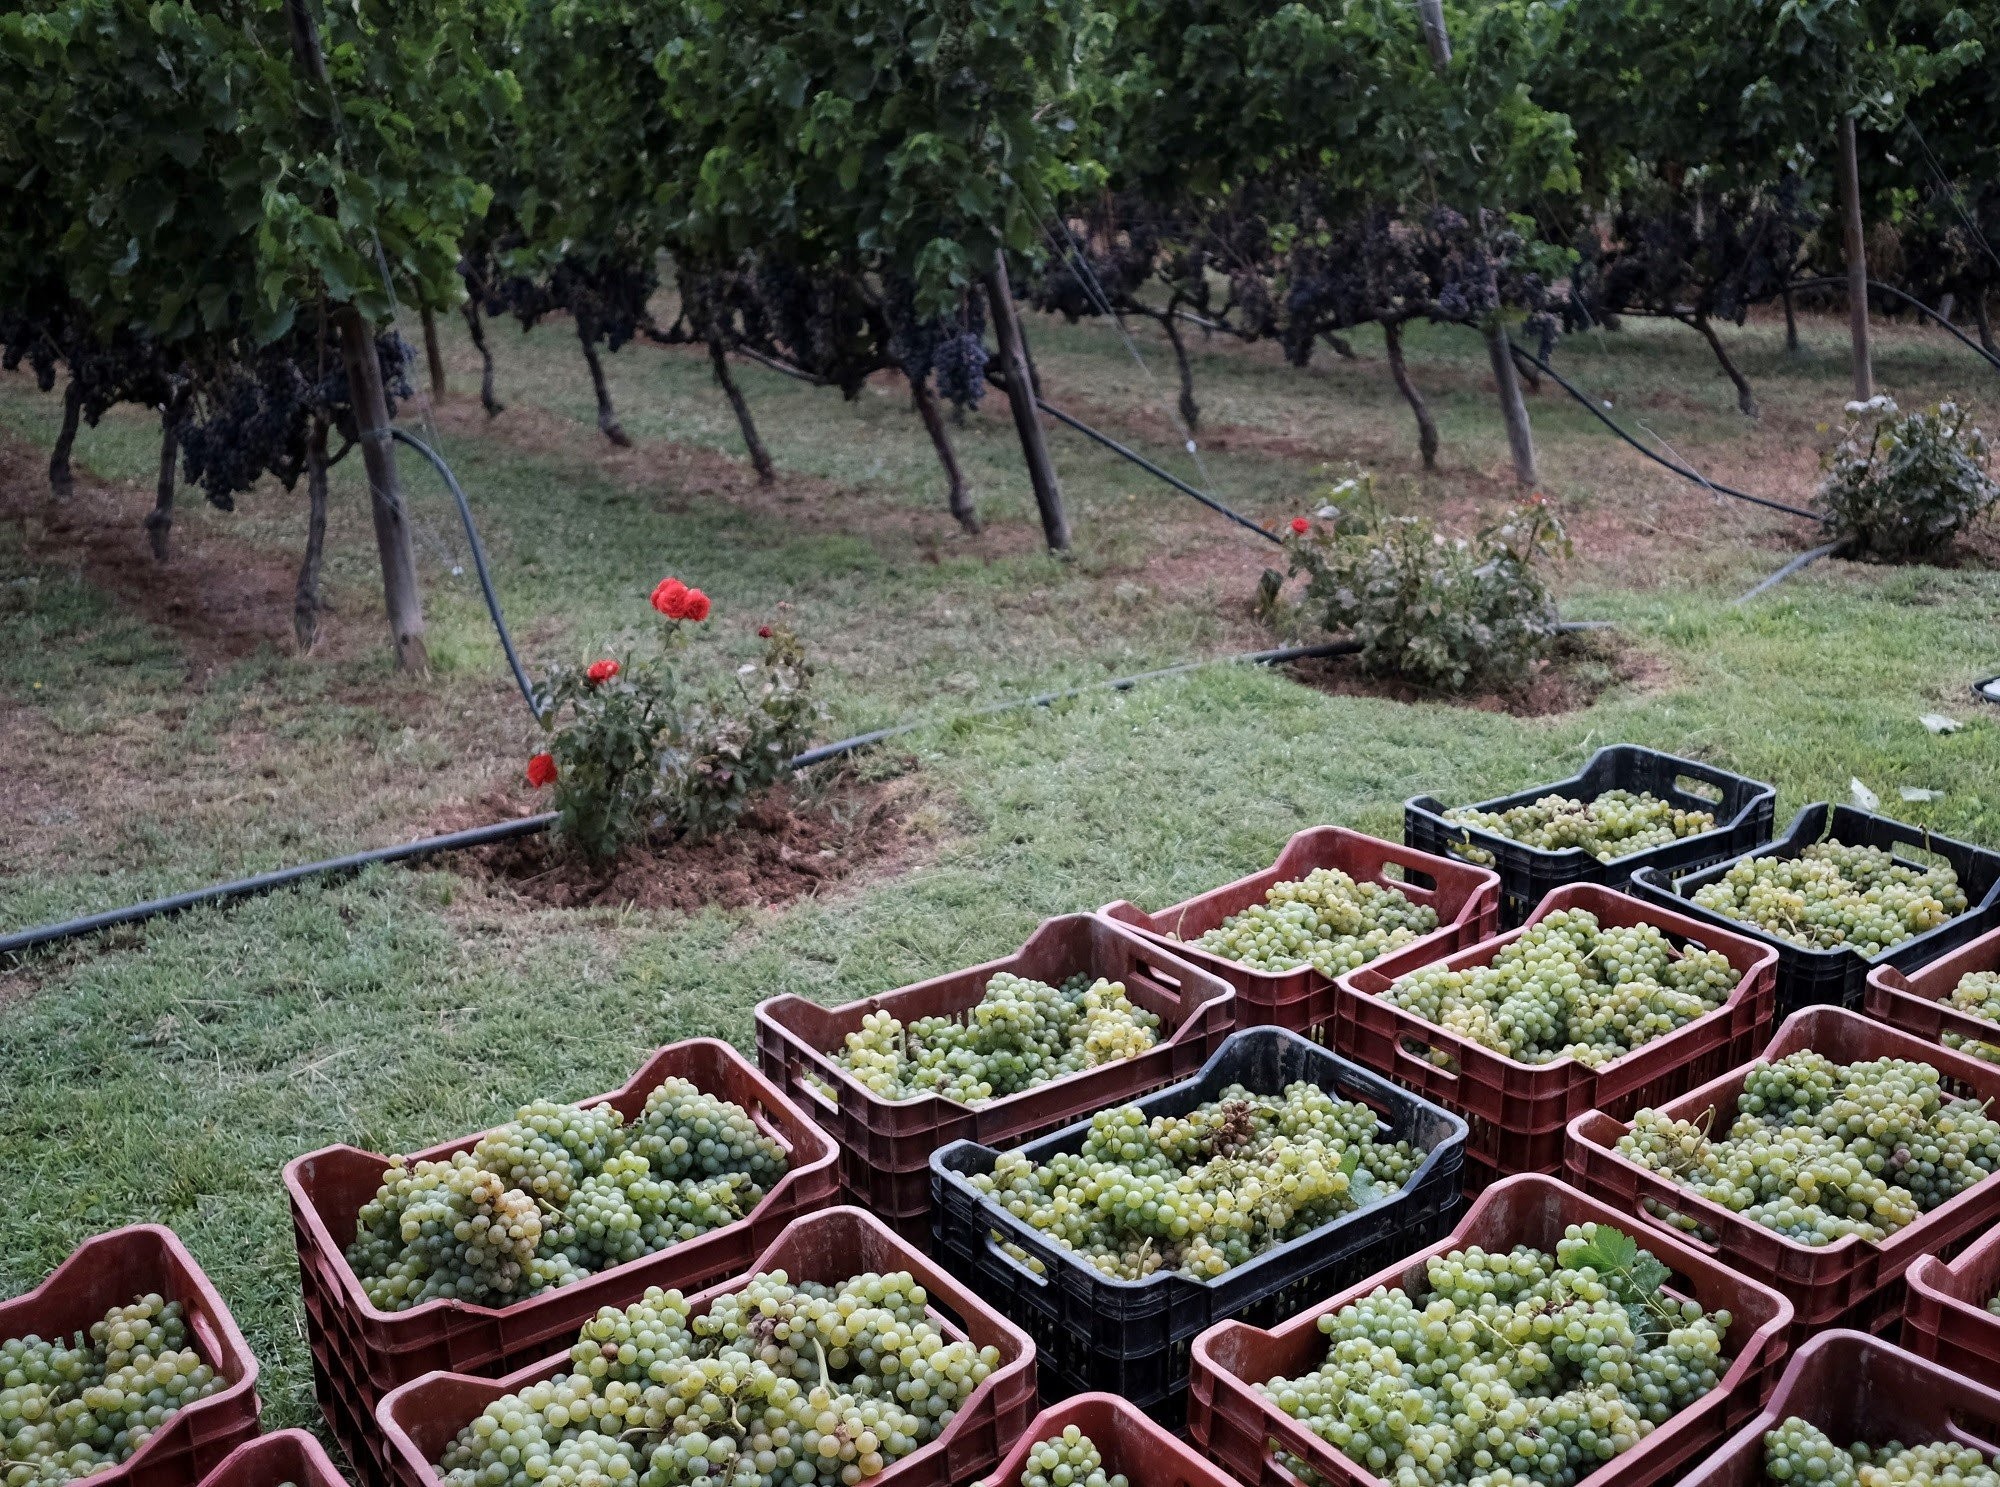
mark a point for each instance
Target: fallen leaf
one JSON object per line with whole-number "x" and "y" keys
{"x": 1865, "y": 798}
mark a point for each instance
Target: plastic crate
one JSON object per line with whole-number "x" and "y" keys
{"x": 1852, "y": 1282}
{"x": 1467, "y": 900}
{"x": 1858, "y": 1388}
{"x": 1744, "y": 810}
{"x": 1231, "y": 1420}
{"x": 1945, "y": 1316}
{"x": 1517, "y": 1113}
{"x": 418, "y": 1421}
{"x": 1919, "y": 1001}
{"x": 115, "y": 1269}
{"x": 1131, "y": 1338}
{"x": 1130, "y": 1444}
{"x": 292, "y": 1456}
{"x": 361, "y": 1352}
{"x": 886, "y": 1145}
{"x": 1838, "y": 978}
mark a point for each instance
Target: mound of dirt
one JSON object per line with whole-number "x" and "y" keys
{"x": 789, "y": 846}
{"x": 1585, "y": 666}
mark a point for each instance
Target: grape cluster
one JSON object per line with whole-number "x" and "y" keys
{"x": 558, "y": 1193}
{"x": 1067, "y": 1460}
{"x": 1569, "y": 988}
{"x": 77, "y": 1406}
{"x": 1613, "y": 825}
{"x": 1832, "y": 895}
{"x": 1325, "y": 920}
{"x": 1820, "y": 1150}
{"x": 778, "y": 1385}
{"x": 1509, "y": 1369}
{"x": 1978, "y": 993}
{"x": 1798, "y": 1452}
{"x": 1019, "y": 1034}
{"x": 1206, "y": 1191}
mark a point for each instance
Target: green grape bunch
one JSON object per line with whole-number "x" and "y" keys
{"x": 558, "y": 1193}
{"x": 1204, "y": 1192}
{"x": 1571, "y": 988}
{"x": 1019, "y": 1034}
{"x": 1978, "y": 995}
{"x": 1509, "y": 1368}
{"x": 1822, "y": 1151}
{"x": 1833, "y": 895}
{"x": 1613, "y": 825}
{"x": 1799, "y": 1452}
{"x": 780, "y": 1384}
{"x": 1325, "y": 920}
{"x": 73, "y": 1407}
{"x": 1070, "y": 1459}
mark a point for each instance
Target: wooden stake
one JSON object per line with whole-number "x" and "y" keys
{"x": 1857, "y": 261}
{"x": 1021, "y": 398}
{"x": 434, "y": 354}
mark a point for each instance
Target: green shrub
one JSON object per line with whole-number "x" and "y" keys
{"x": 1903, "y": 486}
{"x": 632, "y": 753}
{"x": 1441, "y": 612}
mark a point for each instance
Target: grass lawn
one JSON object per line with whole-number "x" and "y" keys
{"x": 160, "y": 731}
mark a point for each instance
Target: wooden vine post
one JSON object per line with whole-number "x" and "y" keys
{"x": 393, "y": 544}
{"x": 1513, "y": 406}
{"x": 1857, "y": 260}
{"x": 1021, "y": 398}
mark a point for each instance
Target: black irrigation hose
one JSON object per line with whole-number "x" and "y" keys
{"x": 1659, "y": 459}
{"x": 479, "y": 566}
{"x": 1803, "y": 560}
{"x": 457, "y": 841}
{"x": 1878, "y": 287}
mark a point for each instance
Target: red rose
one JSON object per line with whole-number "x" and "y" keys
{"x": 602, "y": 671}
{"x": 695, "y": 606}
{"x": 670, "y": 598}
{"x": 763, "y": 632}
{"x": 1301, "y": 526}
{"x": 542, "y": 770}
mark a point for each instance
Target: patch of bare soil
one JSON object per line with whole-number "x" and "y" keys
{"x": 794, "y": 844}
{"x": 1585, "y": 666}
{"x": 221, "y": 598}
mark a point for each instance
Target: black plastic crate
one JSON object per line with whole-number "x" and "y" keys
{"x": 1132, "y": 1338}
{"x": 1839, "y": 978}
{"x": 1744, "y": 809}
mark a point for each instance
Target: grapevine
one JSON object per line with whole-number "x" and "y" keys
{"x": 72, "y": 1407}
{"x": 1801, "y": 1452}
{"x": 1832, "y": 895}
{"x": 1326, "y": 920}
{"x": 1613, "y": 825}
{"x": 1977, "y": 993}
{"x": 1021, "y": 1033}
{"x": 1820, "y": 1151}
{"x": 558, "y": 1193}
{"x": 778, "y": 1385}
{"x": 1568, "y": 988}
{"x": 1518, "y": 1367}
{"x": 1204, "y": 1192}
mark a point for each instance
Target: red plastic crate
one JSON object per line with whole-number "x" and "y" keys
{"x": 1467, "y": 900}
{"x": 1231, "y": 1420}
{"x": 1918, "y": 1001}
{"x": 1945, "y": 1316}
{"x": 1852, "y": 1282}
{"x": 283, "y": 1456}
{"x": 1858, "y": 1388}
{"x": 115, "y": 1269}
{"x": 1517, "y": 1113}
{"x": 361, "y": 1352}
{"x": 1128, "y": 1441}
{"x": 886, "y": 1145}
{"x": 419, "y": 1421}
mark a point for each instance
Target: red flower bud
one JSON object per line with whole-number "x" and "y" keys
{"x": 542, "y": 770}
{"x": 763, "y": 632}
{"x": 1301, "y": 526}
{"x": 602, "y": 671}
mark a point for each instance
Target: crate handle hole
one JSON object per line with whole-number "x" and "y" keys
{"x": 1976, "y": 1431}
{"x": 1434, "y": 1059}
{"x": 998, "y": 1245}
{"x": 1690, "y": 1229}
{"x": 1920, "y": 858}
{"x": 1706, "y": 790}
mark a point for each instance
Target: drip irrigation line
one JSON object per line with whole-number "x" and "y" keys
{"x": 1659, "y": 459}
{"x": 479, "y": 566}
{"x": 1878, "y": 287}
{"x": 1803, "y": 560}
